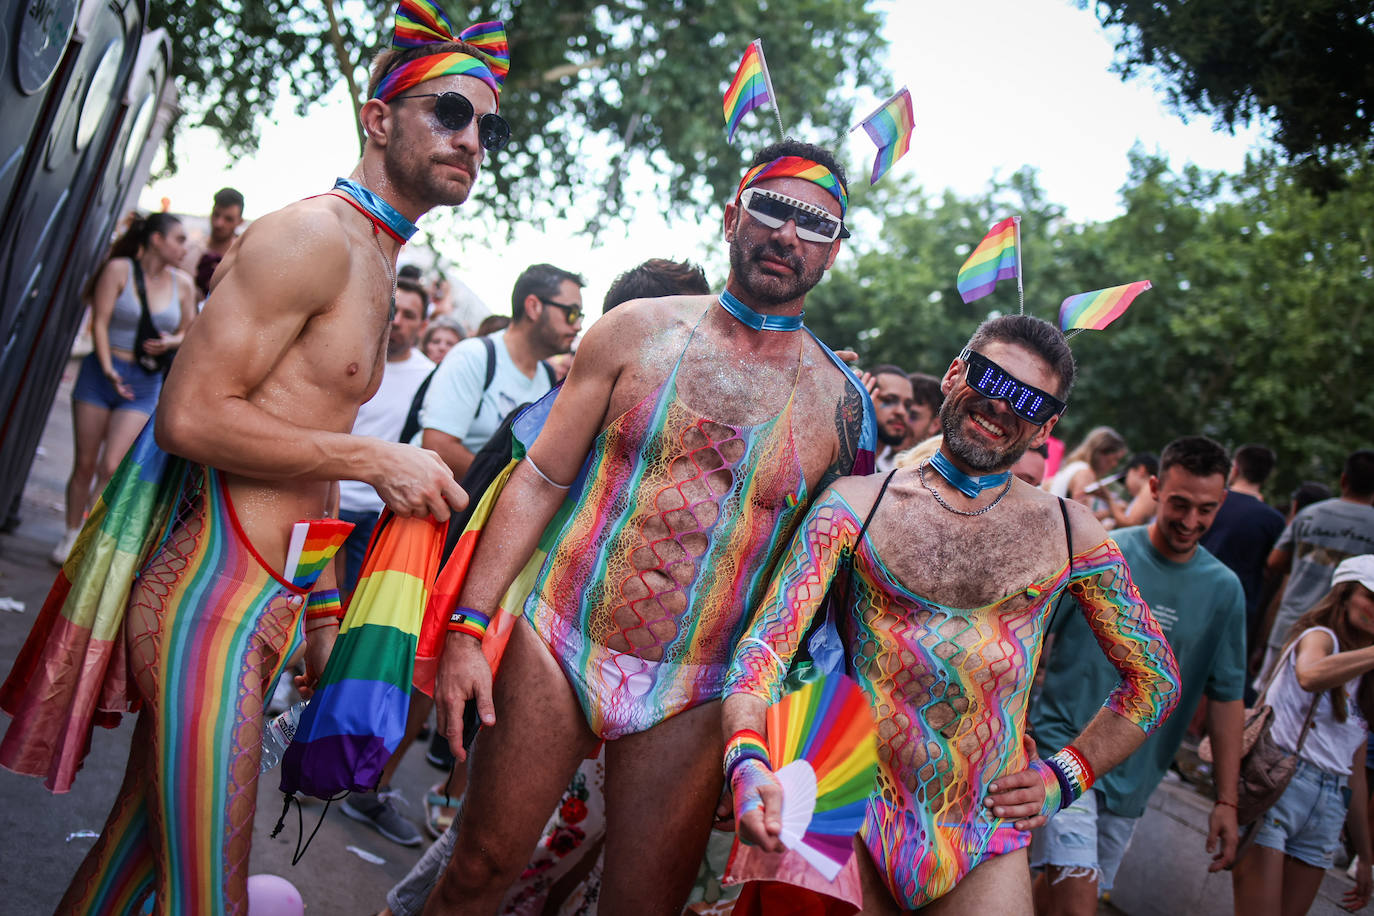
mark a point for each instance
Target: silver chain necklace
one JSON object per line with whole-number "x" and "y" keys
{"x": 391, "y": 274}
{"x": 921, "y": 473}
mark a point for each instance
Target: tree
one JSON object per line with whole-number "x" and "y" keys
{"x": 593, "y": 88}
{"x": 1307, "y": 65}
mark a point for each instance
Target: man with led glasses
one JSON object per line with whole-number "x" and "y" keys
{"x": 258, "y": 410}
{"x": 682, "y": 450}
{"x": 955, "y": 566}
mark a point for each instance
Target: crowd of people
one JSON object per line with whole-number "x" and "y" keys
{"x": 725, "y": 510}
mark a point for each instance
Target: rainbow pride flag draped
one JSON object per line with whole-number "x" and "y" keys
{"x": 357, "y": 716}
{"x": 750, "y": 88}
{"x": 997, "y": 257}
{"x": 890, "y": 130}
{"x": 1095, "y": 310}
{"x": 72, "y": 672}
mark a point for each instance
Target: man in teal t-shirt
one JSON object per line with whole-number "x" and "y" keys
{"x": 1200, "y": 605}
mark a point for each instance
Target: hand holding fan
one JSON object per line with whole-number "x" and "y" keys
{"x": 823, "y": 745}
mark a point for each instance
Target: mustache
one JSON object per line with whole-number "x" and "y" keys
{"x": 777, "y": 253}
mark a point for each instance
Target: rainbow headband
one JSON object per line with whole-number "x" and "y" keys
{"x": 796, "y": 167}
{"x": 420, "y": 23}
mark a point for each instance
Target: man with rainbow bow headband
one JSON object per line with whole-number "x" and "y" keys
{"x": 683, "y": 449}
{"x": 255, "y": 422}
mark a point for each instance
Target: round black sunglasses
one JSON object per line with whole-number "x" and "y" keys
{"x": 454, "y": 112}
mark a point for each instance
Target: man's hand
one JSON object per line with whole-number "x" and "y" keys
{"x": 1358, "y": 896}
{"x": 758, "y": 805}
{"x": 464, "y": 676}
{"x": 1222, "y": 836}
{"x": 1019, "y": 795}
{"x": 318, "y": 644}
{"x": 416, "y": 482}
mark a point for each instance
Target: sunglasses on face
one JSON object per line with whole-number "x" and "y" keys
{"x": 454, "y": 112}
{"x": 992, "y": 381}
{"x": 572, "y": 312}
{"x": 776, "y": 210}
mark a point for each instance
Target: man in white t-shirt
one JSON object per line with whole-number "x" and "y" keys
{"x": 481, "y": 380}
{"x": 382, "y": 418}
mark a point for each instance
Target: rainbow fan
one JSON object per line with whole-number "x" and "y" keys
{"x": 823, "y": 745}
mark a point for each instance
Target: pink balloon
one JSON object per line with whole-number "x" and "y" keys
{"x": 273, "y": 895}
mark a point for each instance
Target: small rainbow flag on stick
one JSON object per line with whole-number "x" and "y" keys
{"x": 997, "y": 257}
{"x": 1095, "y": 310}
{"x": 751, "y": 88}
{"x": 890, "y": 127}
{"x": 313, "y": 544}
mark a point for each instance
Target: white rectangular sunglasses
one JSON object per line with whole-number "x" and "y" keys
{"x": 774, "y": 210}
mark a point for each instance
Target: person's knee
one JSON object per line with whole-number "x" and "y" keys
{"x": 476, "y": 869}
{"x": 1072, "y": 890}
{"x": 108, "y": 465}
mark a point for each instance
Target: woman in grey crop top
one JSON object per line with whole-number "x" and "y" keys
{"x": 114, "y": 396}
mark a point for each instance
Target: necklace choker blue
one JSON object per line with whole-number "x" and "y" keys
{"x": 753, "y": 319}
{"x": 388, "y": 216}
{"x": 968, "y": 485}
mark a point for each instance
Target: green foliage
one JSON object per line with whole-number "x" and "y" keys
{"x": 1257, "y": 328}
{"x": 593, "y": 88}
{"x": 1304, "y": 64}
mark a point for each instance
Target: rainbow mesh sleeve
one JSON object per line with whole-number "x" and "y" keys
{"x": 799, "y": 584}
{"x": 1129, "y": 636}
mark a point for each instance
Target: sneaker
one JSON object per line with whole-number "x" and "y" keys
{"x": 379, "y": 810}
{"x": 64, "y": 547}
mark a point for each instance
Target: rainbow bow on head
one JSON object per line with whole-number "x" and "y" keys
{"x": 420, "y": 23}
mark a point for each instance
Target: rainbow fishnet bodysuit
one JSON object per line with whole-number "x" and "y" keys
{"x": 949, "y": 688}
{"x": 644, "y": 595}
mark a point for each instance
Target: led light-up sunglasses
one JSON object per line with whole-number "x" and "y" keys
{"x": 776, "y": 210}
{"x": 454, "y": 112}
{"x": 992, "y": 381}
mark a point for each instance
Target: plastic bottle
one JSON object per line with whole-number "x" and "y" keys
{"x": 278, "y": 734}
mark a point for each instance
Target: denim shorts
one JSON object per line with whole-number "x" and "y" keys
{"x": 1084, "y": 841}
{"x": 1305, "y": 822}
{"x": 92, "y": 387}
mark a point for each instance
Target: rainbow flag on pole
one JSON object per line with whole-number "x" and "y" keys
{"x": 1095, "y": 310}
{"x": 749, "y": 89}
{"x": 890, "y": 130}
{"x": 313, "y": 544}
{"x": 997, "y": 257}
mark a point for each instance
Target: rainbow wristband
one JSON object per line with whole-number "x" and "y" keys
{"x": 324, "y": 603}
{"x": 469, "y": 622}
{"x": 745, "y": 744}
{"x": 1054, "y": 788}
{"x": 1075, "y": 774}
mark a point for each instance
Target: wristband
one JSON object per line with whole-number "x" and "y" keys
{"x": 745, "y": 744}
{"x": 1054, "y": 788}
{"x": 469, "y": 622}
{"x": 1075, "y": 774}
{"x": 750, "y": 775}
{"x": 1227, "y": 804}
{"x": 324, "y": 603}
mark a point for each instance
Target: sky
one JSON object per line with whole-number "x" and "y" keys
{"x": 995, "y": 85}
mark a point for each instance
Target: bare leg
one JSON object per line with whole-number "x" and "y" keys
{"x": 877, "y": 898}
{"x": 662, "y": 787}
{"x": 420, "y": 705}
{"x": 1300, "y": 885}
{"x": 89, "y": 423}
{"x": 517, "y": 774}
{"x": 1257, "y": 882}
{"x": 1000, "y": 884}
{"x": 1069, "y": 894}
{"x": 125, "y": 425}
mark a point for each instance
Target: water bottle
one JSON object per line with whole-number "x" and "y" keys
{"x": 278, "y": 735}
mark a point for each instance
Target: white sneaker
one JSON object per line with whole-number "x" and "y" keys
{"x": 64, "y": 546}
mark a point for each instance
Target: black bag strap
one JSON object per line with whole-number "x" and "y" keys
{"x": 1068, "y": 540}
{"x": 141, "y": 288}
{"x": 490, "y": 347}
{"x": 549, "y": 371}
{"x": 412, "y": 424}
{"x": 874, "y": 509}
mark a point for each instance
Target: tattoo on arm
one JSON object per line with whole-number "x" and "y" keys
{"x": 849, "y": 418}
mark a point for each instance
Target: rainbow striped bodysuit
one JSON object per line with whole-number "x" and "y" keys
{"x": 644, "y": 593}
{"x": 949, "y": 687}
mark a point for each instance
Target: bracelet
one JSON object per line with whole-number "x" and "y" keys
{"x": 324, "y": 603}
{"x": 745, "y": 744}
{"x": 545, "y": 477}
{"x": 1054, "y": 787}
{"x": 1221, "y": 801}
{"x": 1075, "y": 774}
{"x": 469, "y": 622}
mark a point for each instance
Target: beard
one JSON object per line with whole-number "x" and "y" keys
{"x": 413, "y": 173}
{"x": 886, "y": 438}
{"x": 981, "y": 458}
{"x": 766, "y": 288}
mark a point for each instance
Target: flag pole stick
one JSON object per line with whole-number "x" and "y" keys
{"x": 1020, "y": 293}
{"x": 773, "y": 96}
{"x": 881, "y": 105}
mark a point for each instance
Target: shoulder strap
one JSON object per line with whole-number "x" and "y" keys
{"x": 417, "y": 401}
{"x": 874, "y": 509}
{"x": 490, "y": 347}
{"x": 1068, "y": 529}
{"x": 141, "y": 288}
{"x": 548, "y": 370}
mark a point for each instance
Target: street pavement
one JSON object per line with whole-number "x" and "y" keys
{"x": 43, "y": 837}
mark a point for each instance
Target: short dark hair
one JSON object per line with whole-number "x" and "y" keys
{"x": 410, "y": 286}
{"x": 654, "y": 279}
{"x": 1255, "y": 462}
{"x": 1037, "y": 335}
{"x": 1198, "y": 455}
{"x": 887, "y": 369}
{"x": 410, "y": 271}
{"x": 541, "y": 280}
{"x": 793, "y": 147}
{"x": 228, "y": 197}
{"x": 925, "y": 390}
{"x": 1309, "y": 492}
{"x": 491, "y": 324}
{"x": 1147, "y": 460}
{"x": 1358, "y": 475}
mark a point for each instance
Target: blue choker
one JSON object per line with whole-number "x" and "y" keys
{"x": 387, "y": 216}
{"x": 965, "y": 484}
{"x": 753, "y": 319}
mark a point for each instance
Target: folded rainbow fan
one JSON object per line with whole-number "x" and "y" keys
{"x": 823, "y": 745}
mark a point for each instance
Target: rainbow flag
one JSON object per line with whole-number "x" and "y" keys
{"x": 749, "y": 89}
{"x": 358, "y": 714}
{"x": 997, "y": 257}
{"x": 313, "y": 544}
{"x": 890, "y": 130}
{"x": 1095, "y": 310}
{"x": 72, "y": 673}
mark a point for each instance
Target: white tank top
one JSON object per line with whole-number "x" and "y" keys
{"x": 1330, "y": 744}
